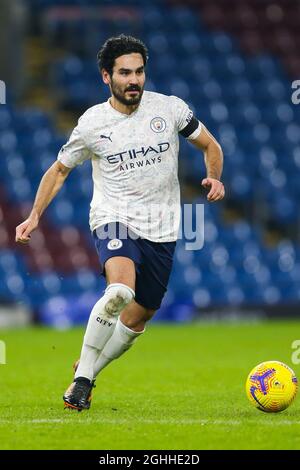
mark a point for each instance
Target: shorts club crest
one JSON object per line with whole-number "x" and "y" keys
{"x": 114, "y": 244}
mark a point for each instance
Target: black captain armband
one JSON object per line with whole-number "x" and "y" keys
{"x": 190, "y": 128}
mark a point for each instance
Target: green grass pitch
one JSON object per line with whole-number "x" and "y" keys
{"x": 179, "y": 387}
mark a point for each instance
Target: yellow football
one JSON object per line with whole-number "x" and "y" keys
{"x": 271, "y": 386}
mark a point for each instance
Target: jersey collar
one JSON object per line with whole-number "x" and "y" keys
{"x": 112, "y": 109}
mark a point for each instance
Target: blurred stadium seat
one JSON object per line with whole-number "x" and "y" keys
{"x": 243, "y": 99}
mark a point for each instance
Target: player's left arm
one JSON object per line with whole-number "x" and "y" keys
{"x": 213, "y": 157}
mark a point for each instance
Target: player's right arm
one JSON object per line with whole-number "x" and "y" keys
{"x": 49, "y": 186}
{"x": 73, "y": 153}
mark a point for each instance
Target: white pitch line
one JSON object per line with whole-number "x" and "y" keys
{"x": 118, "y": 421}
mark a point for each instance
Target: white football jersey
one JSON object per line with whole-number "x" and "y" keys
{"x": 135, "y": 163}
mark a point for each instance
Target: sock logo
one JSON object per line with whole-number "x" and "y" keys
{"x": 104, "y": 322}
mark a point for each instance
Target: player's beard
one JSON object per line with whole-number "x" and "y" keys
{"x": 119, "y": 94}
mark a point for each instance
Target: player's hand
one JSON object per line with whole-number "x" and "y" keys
{"x": 24, "y": 230}
{"x": 217, "y": 191}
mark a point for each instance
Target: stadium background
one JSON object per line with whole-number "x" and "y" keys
{"x": 234, "y": 63}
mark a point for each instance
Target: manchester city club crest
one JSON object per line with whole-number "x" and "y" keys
{"x": 158, "y": 124}
{"x": 114, "y": 244}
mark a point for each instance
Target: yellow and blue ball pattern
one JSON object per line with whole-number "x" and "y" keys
{"x": 271, "y": 386}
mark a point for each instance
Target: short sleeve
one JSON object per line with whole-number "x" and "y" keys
{"x": 187, "y": 125}
{"x": 75, "y": 151}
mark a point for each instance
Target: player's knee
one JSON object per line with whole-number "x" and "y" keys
{"x": 115, "y": 298}
{"x": 118, "y": 296}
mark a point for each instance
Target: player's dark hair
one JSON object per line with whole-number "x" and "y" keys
{"x": 115, "y": 47}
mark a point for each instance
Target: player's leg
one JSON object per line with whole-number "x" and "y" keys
{"x": 102, "y": 321}
{"x": 135, "y": 317}
{"x": 152, "y": 277}
{"x": 120, "y": 274}
{"x": 130, "y": 325}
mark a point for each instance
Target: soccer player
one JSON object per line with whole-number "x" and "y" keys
{"x": 132, "y": 141}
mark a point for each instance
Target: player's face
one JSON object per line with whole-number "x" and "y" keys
{"x": 128, "y": 79}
